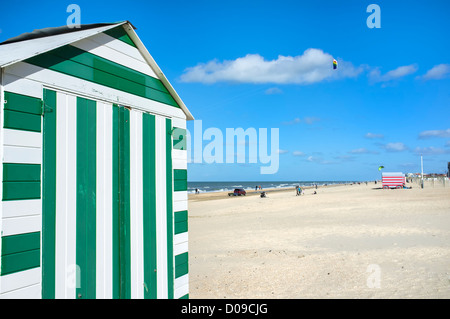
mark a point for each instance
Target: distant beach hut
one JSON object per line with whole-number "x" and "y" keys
{"x": 393, "y": 180}
{"x": 94, "y": 168}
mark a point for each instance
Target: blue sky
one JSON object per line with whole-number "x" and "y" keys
{"x": 264, "y": 64}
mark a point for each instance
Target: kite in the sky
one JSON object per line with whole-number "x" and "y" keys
{"x": 334, "y": 64}
{"x": 379, "y": 168}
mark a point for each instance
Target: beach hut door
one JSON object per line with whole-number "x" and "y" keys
{"x": 85, "y": 198}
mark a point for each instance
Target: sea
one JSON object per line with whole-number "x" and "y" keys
{"x": 205, "y": 187}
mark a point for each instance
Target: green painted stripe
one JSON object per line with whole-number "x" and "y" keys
{"x": 186, "y": 296}
{"x": 22, "y": 121}
{"x": 20, "y": 261}
{"x": 120, "y": 34}
{"x": 179, "y": 138}
{"x": 22, "y": 103}
{"x": 86, "y": 199}
{"x": 115, "y": 205}
{"x": 180, "y": 174}
{"x": 124, "y": 160}
{"x": 20, "y": 243}
{"x": 121, "y": 204}
{"x": 180, "y": 180}
{"x": 149, "y": 204}
{"x": 21, "y": 172}
{"x": 181, "y": 227}
{"x": 181, "y": 259}
{"x": 20, "y": 252}
{"x": 169, "y": 198}
{"x": 49, "y": 196}
{"x": 84, "y": 65}
{"x": 21, "y": 190}
{"x": 181, "y": 216}
{"x": 96, "y": 62}
{"x": 181, "y": 265}
{"x": 181, "y": 221}
{"x": 180, "y": 186}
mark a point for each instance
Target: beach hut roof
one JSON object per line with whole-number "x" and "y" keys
{"x": 33, "y": 43}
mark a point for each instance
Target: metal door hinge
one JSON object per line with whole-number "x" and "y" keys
{"x": 46, "y": 109}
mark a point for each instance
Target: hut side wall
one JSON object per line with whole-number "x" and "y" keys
{"x": 92, "y": 90}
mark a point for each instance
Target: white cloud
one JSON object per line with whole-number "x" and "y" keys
{"x": 437, "y": 72}
{"x": 402, "y": 71}
{"x": 345, "y": 158}
{"x": 395, "y": 147}
{"x": 431, "y": 150}
{"x": 435, "y": 133}
{"x": 362, "y": 151}
{"x": 318, "y": 160}
{"x": 312, "y": 66}
{"x": 373, "y": 135}
{"x": 273, "y": 90}
{"x": 298, "y": 153}
{"x": 306, "y": 120}
{"x": 283, "y": 151}
{"x": 310, "y": 120}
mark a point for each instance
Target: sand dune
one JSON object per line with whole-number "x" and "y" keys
{"x": 355, "y": 241}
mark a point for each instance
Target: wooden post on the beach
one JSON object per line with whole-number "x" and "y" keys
{"x": 421, "y": 164}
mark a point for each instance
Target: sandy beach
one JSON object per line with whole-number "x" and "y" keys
{"x": 347, "y": 241}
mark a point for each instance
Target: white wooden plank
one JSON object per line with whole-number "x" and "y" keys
{"x": 104, "y": 201}
{"x": 179, "y": 155}
{"x": 22, "y": 138}
{"x": 65, "y": 284}
{"x": 179, "y": 163}
{"x": 21, "y": 225}
{"x": 181, "y": 281}
{"x": 181, "y": 291}
{"x": 179, "y": 122}
{"x": 180, "y": 238}
{"x": 118, "y": 45}
{"x": 181, "y": 286}
{"x": 13, "y": 52}
{"x": 110, "y": 54}
{"x": 161, "y": 208}
{"x": 20, "y": 279}
{"x": 180, "y": 196}
{"x": 180, "y": 205}
{"x": 21, "y": 208}
{"x": 19, "y": 85}
{"x": 71, "y": 204}
{"x": 136, "y": 206}
{"x": 29, "y": 292}
{"x": 181, "y": 246}
{"x": 92, "y": 90}
{"x": 23, "y": 155}
{"x": 61, "y": 195}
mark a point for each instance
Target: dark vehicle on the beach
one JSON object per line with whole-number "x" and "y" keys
{"x": 238, "y": 192}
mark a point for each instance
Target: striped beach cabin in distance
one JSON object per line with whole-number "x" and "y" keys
{"x": 94, "y": 168}
{"x": 393, "y": 180}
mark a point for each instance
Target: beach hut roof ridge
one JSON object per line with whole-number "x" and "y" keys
{"x": 40, "y": 41}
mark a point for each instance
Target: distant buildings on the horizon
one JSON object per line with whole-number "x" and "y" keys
{"x": 431, "y": 175}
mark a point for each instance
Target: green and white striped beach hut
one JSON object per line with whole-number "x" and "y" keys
{"x": 94, "y": 168}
